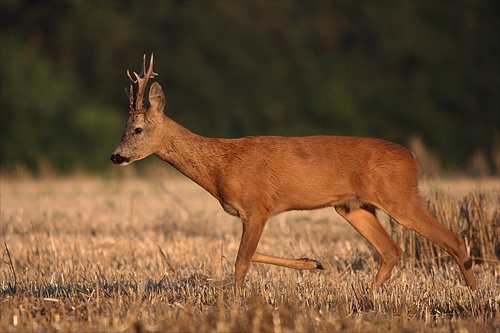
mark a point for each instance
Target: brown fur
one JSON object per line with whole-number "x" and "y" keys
{"x": 257, "y": 177}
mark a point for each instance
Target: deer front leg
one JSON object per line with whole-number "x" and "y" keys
{"x": 252, "y": 230}
{"x": 300, "y": 264}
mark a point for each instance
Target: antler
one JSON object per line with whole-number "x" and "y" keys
{"x": 138, "y": 86}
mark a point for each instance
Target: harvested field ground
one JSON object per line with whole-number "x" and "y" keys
{"x": 157, "y": 254}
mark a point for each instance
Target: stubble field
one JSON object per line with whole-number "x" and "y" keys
{"x": 156, "y": 254}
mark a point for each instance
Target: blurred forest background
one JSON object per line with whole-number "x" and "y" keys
{"x": 425, "y": 74}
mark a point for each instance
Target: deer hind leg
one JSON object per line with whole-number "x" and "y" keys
{"x": 300, "y": 264}
{"x": 419, "y": 220}
{"x": 364, "y": 220}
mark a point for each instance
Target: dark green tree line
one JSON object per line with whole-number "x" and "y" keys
{"x": 387, "y": 69}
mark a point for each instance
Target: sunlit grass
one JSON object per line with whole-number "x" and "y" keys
{"x": 134, "y": 254}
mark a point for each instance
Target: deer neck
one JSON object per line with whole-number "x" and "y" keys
{"x": 197, "y": 157}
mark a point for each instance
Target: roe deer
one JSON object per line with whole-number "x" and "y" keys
{"x": 257, "y": 177}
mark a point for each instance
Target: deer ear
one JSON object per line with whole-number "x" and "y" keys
{"x": 156, "y": 97}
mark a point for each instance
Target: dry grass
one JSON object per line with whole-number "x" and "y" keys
{"x": 144, "y": 254}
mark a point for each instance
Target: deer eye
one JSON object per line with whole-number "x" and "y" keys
{"x": 138, "y": 130}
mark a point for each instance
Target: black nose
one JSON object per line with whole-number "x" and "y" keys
{"x": 118, "y": 159}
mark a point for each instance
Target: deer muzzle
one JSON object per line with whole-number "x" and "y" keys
{"x": 118, "y": 159}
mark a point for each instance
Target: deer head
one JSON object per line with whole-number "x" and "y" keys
{"x": 142, "y": 134}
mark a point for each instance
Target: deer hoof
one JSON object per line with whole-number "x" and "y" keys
{"x": 318, "y": 264}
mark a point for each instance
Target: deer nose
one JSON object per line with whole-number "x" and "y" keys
{"x": 118, "y": 159}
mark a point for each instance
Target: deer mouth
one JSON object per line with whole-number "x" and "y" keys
{"x": 119, "y": 160}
